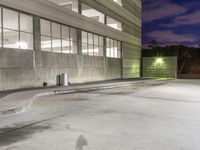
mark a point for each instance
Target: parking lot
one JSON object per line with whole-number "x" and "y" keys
{"x": 160, "y": 115}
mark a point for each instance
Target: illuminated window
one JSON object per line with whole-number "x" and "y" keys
{"x": 118, "y": 2}
{"x": 68, "y": 4}
{"x": 58, "y": 38}
{"x": 114, "y": 23}
{"x": 93, "y": 14}
{"x": 45, "y": 27}
{"x": 113, "y": 48}
{"x": 17, "y": 30}
{"x": 92, "y": 44}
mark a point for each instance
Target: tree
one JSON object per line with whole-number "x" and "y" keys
{"x": 153, "y": 44}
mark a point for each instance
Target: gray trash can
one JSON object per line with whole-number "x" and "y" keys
{"x": 64, "y": 79}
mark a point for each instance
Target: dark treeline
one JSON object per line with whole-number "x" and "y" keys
{"x": 188, "y": 57}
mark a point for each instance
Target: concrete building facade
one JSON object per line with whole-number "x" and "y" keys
{"x": 88, "y": 39}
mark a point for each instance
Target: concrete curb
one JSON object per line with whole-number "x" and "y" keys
{"x": 29, "y": 102}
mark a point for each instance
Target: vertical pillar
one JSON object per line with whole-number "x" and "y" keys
{"x": 37, "y": 40}
{"x": 121, "y": 57}
{"x": 79, "y": 38}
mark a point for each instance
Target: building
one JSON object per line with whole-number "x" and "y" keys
{"x": 88, "y": 39}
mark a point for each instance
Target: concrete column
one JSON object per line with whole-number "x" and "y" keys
{"x": 37, "y": 40}
{"x": 79, "y": 50}
{"x": 122, "y": 61}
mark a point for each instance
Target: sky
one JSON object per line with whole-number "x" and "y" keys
{"x": 171, "y": 22}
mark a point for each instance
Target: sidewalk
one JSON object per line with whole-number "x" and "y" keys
{"x": 18, "y": 101}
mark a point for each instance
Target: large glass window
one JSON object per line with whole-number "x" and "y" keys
{"x": 69, "y": 4}
{"x": 66, "y": 48}
{"x": 92, "y": 44}
{"x": 17, "y": 30}
{"x": 58, "y": 38}
{"x": 113, "y": 48}
{"x": 118, "y": 2}
{"x": 73, "y": 40}
{"x": 114, "y": 23}
{"x": 84, "y": 43}
{"x": 92, "y": 13}
{"x": 45, "y": 29}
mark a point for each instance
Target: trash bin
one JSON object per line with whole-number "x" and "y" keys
{"x": 64, "y": 79}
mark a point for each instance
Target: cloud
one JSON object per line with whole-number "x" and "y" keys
{"x": 160, "y": 9}
{"x": 171, "y": 37}
{"x": 187, "y": 19}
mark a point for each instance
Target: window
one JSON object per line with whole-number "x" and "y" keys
{"x": 114, "y": 23}
{"x": 73, "y": 40}
{"x": 45, "y": 27}
{"x": 92, "y": 13}
{"x": 113, "y": 48}
{"x": 118, "y": 2}
{"x": 65, "y": 40}
{"x": 58, "y": 38}
{"x": 69, "y": 4}
{"x": 84, "y": 43}
{"x": 17, "y": 30}
{"x": 92, "y": 44}
{"x": 26, "y": 31}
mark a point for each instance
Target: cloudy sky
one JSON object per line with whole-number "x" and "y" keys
{"x": 171, "y": 22}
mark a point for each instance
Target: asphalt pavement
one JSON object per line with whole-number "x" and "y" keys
{"x": 157, "y": 115}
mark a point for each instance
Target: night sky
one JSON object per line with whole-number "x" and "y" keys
{"x": 171, "y": 22}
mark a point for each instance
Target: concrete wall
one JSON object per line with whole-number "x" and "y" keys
{"x": 26, "y": 68}
{"x": 165, "y": 67}
{"x": 17, "y": 68}
{"x": 132, "y": 51}
{"x": 131, "y": 60}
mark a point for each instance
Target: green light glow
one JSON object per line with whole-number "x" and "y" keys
{"x": 159, "y": 60}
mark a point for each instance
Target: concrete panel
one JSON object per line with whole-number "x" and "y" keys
{"x": 12, "y": 58}
{"x": 113, "y": 68}
{"x": 131, "y": 60}
{"x": 160, "y": 67}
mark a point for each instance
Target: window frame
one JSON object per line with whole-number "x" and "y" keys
{"x": 70, "y": 40}
{"x": 20, "y": 32}
{"x": 104, "y": 15}
{"x": 88, "y": 45}
{"x": 111, "y": 50}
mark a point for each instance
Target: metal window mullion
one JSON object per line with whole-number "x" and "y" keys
{"x": 33, "y": 31}
{"x": 61, "y": 38}
{"x": 87, "y": 44}
{"x": 121, "y": 51}
{"x": 105, "y": 19}
{"x": 77, "y": 42}
{"x": 70, "y": 47}
{"x": 99, "y": 54}
{"x": 93, "y": 43}
{"x": 51, "y": 35}
{"x": 113, "y": 49}
{"x": 1, "y": 27}
{"x": 19, "y": 36}
{"x": 110, "y": 48}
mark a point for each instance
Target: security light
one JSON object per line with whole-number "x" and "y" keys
{"x": 159, "y": 60}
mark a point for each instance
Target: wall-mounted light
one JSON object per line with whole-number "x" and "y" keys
{"x": 159, "y": 60}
